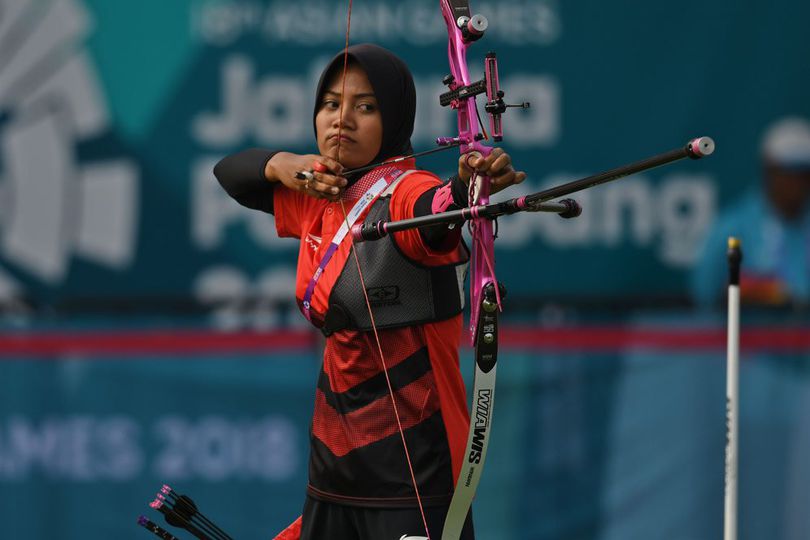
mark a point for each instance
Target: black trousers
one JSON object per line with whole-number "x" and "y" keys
{"x": 327, "y": 521}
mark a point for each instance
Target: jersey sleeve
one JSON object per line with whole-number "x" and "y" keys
{"x": 241, "y": 175}
{"x": 402, "y": 205}
{"x": 290, "y": 209}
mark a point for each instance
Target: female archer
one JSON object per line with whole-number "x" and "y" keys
{"x": 390, "y": 310}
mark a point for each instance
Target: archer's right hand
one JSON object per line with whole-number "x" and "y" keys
{"x": 329, "y": 185}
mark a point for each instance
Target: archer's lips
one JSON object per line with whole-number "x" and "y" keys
{"x": 343, "y": 139}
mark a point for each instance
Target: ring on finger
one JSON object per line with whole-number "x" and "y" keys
{"x": 306, "y": 176}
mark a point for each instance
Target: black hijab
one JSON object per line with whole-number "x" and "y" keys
{"x": 393, "y": 87}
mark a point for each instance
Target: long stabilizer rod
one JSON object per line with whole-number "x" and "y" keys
{"x": 536, "y": 202}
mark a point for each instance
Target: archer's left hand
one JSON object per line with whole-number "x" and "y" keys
{"x": 498, "y": 166}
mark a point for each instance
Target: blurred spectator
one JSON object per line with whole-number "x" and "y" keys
{"x": 773, "y": 222}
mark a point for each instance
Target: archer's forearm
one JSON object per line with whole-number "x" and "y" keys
{"x": 242, "y": 176}
{"x": 451, "y": 195}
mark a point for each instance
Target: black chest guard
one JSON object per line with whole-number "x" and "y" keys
{"x": 401, "y": 291}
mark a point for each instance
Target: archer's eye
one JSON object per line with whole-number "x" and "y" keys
{"x": 330, "y": 104}
{"x": 367, "y": 107}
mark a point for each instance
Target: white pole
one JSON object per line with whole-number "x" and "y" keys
{"x": 732, "y": 389}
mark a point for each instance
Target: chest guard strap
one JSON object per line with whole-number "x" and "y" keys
{"x": 401, "y": 292}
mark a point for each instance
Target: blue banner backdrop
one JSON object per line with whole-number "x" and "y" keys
{"x": 598, "y": 437}
{"x": 114, "y": 114}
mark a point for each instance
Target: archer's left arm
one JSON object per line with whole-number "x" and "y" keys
{"x": 453, "y": 194}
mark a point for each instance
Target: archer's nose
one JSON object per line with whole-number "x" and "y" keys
{"x": 344, "y": 119}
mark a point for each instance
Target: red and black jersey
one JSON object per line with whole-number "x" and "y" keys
{"x": 356, "y": 454}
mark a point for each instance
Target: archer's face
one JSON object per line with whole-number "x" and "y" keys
{"x": 360, "y": 128}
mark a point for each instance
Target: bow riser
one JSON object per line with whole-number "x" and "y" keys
{"x": 469, "y": 131}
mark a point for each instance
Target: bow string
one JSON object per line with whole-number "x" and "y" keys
{"x": 463, "y": 29}
{"x": 486, "y": 294}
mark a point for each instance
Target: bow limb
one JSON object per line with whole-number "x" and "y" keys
{"x": 485, "y": 296}
{"x": 469, "y": 130}
{"x": 485, "y": 293}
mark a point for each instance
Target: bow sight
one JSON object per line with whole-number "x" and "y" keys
{"x": 495, "y": 104}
